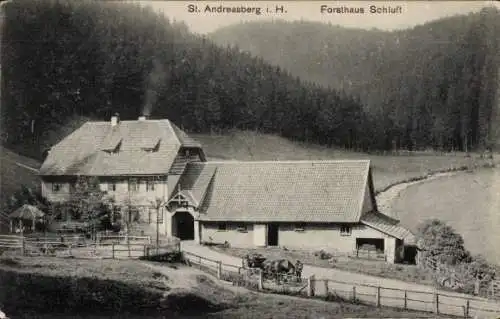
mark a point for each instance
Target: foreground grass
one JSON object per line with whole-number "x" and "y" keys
{"x": 192, "y": 294}
{"x": 408, "y": 273}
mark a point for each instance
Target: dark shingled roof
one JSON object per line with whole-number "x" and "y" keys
{"x": 89, "y": 149}
{"x": 295, "y": 191}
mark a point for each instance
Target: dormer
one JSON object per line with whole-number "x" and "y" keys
{"x": 152, "y": 148}
{"x": 113, "y": 146}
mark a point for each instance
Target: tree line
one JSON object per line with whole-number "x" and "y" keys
{"x": 62, "y": 59}
{"x": 434, "y": 85}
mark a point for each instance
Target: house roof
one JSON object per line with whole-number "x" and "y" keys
{"x": 294, "y": 191}
{"x": 100, "y": 149}
{"x": 388, "y": 225}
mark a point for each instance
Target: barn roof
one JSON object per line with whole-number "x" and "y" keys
{"x": 142, "y": 147}
{"x": 293, "y": 191}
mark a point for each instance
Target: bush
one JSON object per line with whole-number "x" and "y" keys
{"x": 441, "y": 242}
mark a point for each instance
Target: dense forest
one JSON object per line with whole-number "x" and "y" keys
{"x": 434, "y": 85}
{"x": 66, "y": 59}
{"x": 63, "y": 59}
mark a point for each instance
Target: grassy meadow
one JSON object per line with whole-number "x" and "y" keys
{"x": 468, "y": 202}
{"x": 387, "y": 169}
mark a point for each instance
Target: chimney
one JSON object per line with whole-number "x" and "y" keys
{"x": 115, "y": 119}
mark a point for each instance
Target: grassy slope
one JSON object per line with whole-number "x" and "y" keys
{"x": 470, "y": 204}
{"x": 186, "y": 283}
{"x": 387, "y": 169}
{"x": 12, "y": 176}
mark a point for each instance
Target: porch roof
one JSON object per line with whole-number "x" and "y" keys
{"x": 388, "y": 225}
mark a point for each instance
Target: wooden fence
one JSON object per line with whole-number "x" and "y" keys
{"x": 336, "y": 290}
{"x": 128, "y": 247}
{"x": 448, "y": 274}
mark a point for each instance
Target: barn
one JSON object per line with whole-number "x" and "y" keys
{"x": 297, "y": 204}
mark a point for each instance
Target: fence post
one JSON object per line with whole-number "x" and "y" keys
{"x": 144, "y": 252}
{"x": 326, "y": 287}
{"x": 477, "y": 286}
{"x": 406, "y": 300}
{"x": 129, "y": 255}
{"x": 436, "y": 303}
{"x": 219, "y": 269}
{"x": 113, "y": 250}
{"x": 261, "y": 280}
{"x": 467, "y": 307}
{"x": 310, "y": 286}
{"x": 22, "y": 245}
{"x": 353, "y": 293}
{"x": 199, "y": 261}
{"x": 377, "y": 297}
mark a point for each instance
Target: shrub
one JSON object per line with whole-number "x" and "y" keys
{"x": 440, "y": 241}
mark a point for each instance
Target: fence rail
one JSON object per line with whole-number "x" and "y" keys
{"x": 131, "y": 247}
{"x": 435, "y": 302}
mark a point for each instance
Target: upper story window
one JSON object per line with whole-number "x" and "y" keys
{"x": 56, "y": 187}
{"x": 241, "y": 227}
{"x": 345, "y": 230}
{"x": 300, "y": 227}
{"x": 150, "y": 185}
{"x": 112, "y": 187}
{"x": 133, "y": 185}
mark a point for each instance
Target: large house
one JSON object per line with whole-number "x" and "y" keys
{"x": 297, "y": 204}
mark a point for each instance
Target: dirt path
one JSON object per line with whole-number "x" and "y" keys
{"x": 393, "y": 287}
{"x": 386, "y": 198}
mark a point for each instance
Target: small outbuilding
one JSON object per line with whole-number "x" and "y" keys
{"x": 26, "y": 214}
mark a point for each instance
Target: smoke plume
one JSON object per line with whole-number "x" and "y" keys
{"x": 156, "y": 80}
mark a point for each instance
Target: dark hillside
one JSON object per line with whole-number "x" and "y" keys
{"x": 432, "y": 85}
{"x": 65, "y": 59}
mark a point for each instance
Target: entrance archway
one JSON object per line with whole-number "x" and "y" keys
{"x": 183, "y": 225}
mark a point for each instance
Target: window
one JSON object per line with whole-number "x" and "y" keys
{"x": 241, "y": 227}
{"x": 133, "y": 186}
{"x": 56, "y": 187}
{"x": 222, "y": 227}
{"x": 345, "y": 231}
{"x": 300, "y": 227}
{"x": 112, "y": 186}
{"x": 150, "y": 185}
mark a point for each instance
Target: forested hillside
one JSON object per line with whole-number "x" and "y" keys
{"x": 66, "y": 60}
{"x": 433, "y": 85}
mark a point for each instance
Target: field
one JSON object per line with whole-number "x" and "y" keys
{"x": 183, "y": 292}
{"x": 387, "y": 169}
{"x": 468, "y": 202}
